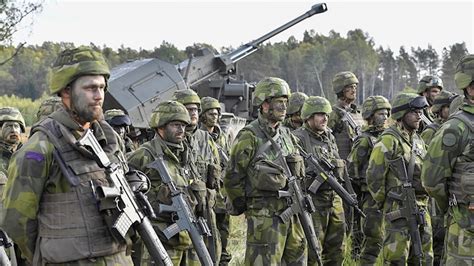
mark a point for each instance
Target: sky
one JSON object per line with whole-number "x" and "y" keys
{"x": 226, "y": 23}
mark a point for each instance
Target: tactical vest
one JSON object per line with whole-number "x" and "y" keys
{"x": 461, "y": 185}
{"x": 322, "y": 148}
{"x": 266, "y": 176}
{"x": 407, "y": 150}
{"x": 344, "y": 133}
{"x": 70, "y": 226}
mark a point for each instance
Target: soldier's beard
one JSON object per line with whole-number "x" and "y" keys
{"x": 84, "y": 111}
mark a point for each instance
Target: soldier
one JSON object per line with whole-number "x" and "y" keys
{"x": 209, "y": 118}
{"x": 169, "y": 120}
{"x": 48, "y": 106}
{"x": 429, "y": 87}
{"x": 293, "y": 114}
{"x": 120, "y": 122}
{"x": 440, "y": 109}
{"x": 448, "y": 171}
{"x": 205, "y": 155}
{"x": 375, "y": 111}
{"x": 328, "y": 219}
{"x": 385, "y": 180}
{"x": 52, "y": 215}
{"x": 345, "y": 112}
{"x": 253, "y": 179}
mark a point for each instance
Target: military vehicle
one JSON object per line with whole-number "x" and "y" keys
{"x": 138, "y": 86}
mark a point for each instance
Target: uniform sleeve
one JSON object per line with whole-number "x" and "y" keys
{"x": 335, "y": 122}
{"x": 378, "y": 168}
{"x": 240, "y": 157}
{"x": 447, "y": 144}
{"x": 28, "y": 171}
{"x": 358, "y": 157}
{"x": 427, "y": 135}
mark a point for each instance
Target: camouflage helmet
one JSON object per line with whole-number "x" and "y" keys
{"x": 48, "y": 106}
{"x": 404, "y": 102}
{"x": 374, "y": 103}
{"x": 295, "y": 102}
{"x": 442, "y": 99}
{"x": 12, "y": 114}
{"x": 187, "y": 96}
{"x": 169, "y": 111}
{"x": 73, "y": 63}
{"x": 117, "y": 117}
{"x": 428, "y": 82}
{"x": 268, "y": 88}
{"x": 210, "y": 103}
{"x": 315, "y": 104}
{"x": 343, "y": 79}
{"x": 464, "y": 72}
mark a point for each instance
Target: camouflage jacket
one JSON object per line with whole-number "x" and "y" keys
{"x": 243, "y": 182}
{"x": 344, "y": 133}
{"x": 358, "y": 160}
{"x": 5, "y": 155}
{"x": 33, "y": 173}
{"x": 451, "y": 146}
{"x": 430, "y": 130}
{"x": 381, "y": 179}
{"x": 180, "y": 167}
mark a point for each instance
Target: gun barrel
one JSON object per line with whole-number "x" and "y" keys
{"x": 252, "y": 46}
{"x": 152, "y": 242}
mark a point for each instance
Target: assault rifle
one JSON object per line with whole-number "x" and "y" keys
{"x": 409, "y": 210}
{"x": 323, "y": 170}
{"x": 120, "y": 203}
{"x": 346, "y": 117}
{"x": 196, "y": 227}
{"x": 300, "y": 204}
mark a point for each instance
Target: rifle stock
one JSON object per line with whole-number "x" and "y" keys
{"x": 120, "y": 201}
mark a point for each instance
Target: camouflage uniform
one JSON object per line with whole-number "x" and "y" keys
{"x": 328, "y": 219}
{"x": 38, "y": 193}
{"x": 180, "y": 167}
{"x": 205, "y": 155}
{"x": 437, "y": 216}
{"x": 222, "y": 144}
{"x": 118, "y": 119}
{"x": 295, "y": 102}
{"x": 252, "y": 182}
{"x": 381, "y": 179}
{"x": 448, "y": 172}
{"x": 425, "y": 84}
{"x": 370, "y": 240}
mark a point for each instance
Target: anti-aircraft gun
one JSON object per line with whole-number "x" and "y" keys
{"x": 137, "y": 87}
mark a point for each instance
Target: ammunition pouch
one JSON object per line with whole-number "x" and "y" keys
{"x": 199, "y": 190}
{"x": 296, "y": 164}
{"x": 339, "y": 166}
{"x": 214, "y": 173}
{"x": 268, "y": 176}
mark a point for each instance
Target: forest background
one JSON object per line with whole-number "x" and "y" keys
{"x": 308, "y": 65}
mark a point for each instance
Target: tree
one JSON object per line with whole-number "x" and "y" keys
{"x": 11, "y": 14}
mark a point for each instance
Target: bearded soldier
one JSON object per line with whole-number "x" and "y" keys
{"x": 50, "y": 209}
{"x": 293, "y": 114}
{"x": 253, "y": 179}
{"x": 328, "y": 219}
{"x": 169, "y": 120}
{"x": 440, "y": 109}
{"x": 375, "y": 111}
{"x": 205, "y": 155}
{"x": 393, "y": 180}
{"x": 209, "y": 118}
{"x": 448, "y": 171}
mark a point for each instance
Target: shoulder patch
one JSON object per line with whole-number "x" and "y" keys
{"x": 449, "y": 139}
{"x": 31, "y": 155}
